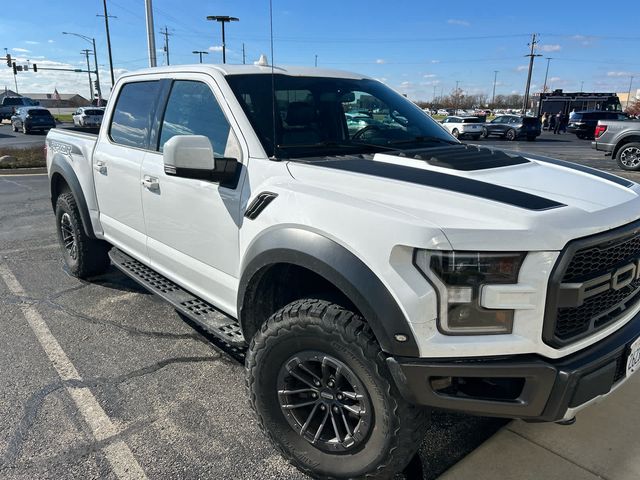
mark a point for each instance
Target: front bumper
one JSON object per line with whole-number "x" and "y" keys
{"x": 521, "y": 386}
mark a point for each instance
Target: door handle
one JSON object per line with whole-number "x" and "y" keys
{"x": 151, "y": 183}
{"x": 100, "y": 167}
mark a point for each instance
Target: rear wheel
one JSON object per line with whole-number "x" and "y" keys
{"x": 475, "y": 137}
{"x": 580, "y": 136}
{"x": 485, "y": 132}
{"x": 628, "y": 157}
{"x": 531, "y": 138}
{"x": 83, "y": 255}
{"x": 24, "y": 129}
{"x": 321, "y": 389}
{"x": 455, "y": 133}
{"x": 13, "y": 127}
{"x": 510, "y": 135}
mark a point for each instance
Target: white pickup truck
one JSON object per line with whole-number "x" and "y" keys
{"x": 369, "y": 276}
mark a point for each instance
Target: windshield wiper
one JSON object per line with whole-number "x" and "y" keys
{"x": 331, "y": 143}
{"x": 421, "y": 139}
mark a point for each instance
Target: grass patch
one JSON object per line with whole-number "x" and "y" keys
{"x": 64, "y": 117}
{"x": 30, "y": 157}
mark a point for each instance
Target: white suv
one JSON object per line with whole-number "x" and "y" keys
{"x": 461, "y": 126}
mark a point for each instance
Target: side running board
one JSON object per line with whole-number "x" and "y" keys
{"x": 199, "y": 311}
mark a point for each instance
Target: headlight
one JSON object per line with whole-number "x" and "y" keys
{"x": 459, "y": 277}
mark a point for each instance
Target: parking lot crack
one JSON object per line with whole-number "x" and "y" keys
{"x": 34, "y": 403}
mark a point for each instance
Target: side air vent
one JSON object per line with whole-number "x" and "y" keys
{"x": 259, "y": 204}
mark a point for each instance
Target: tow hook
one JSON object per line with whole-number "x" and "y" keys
{"x": 571, "y": 421}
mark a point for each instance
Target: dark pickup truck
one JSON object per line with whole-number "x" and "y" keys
{"x": 621, "y": 140}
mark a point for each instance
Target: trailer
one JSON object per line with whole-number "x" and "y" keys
{"x": 561, "y": 102}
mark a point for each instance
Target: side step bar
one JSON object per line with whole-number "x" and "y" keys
{"x": 196, "y": 309}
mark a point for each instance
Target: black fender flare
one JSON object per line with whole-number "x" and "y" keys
{"x": 341, "y": 268}
{"x": 61, "y": 167}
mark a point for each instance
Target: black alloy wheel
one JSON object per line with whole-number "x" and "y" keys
{"x": 324, "y": 401}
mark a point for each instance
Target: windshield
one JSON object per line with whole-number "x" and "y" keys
{"x": 318, "y": 116}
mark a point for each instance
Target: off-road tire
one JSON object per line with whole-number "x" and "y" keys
{"x": 90, "y": 257}
{"x": 321, "y": 326}
{"x": 625, "y": 151}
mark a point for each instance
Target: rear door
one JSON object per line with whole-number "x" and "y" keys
{"x": 117, "y": 161}
{"x": 193, "y": 225}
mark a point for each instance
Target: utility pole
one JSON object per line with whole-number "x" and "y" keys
{"x": 85, "y": 52}
{"x": 628, "y": 95}
{"x": 532, "y": 55}
{"x": 222, "y": 19}
{"x": 581, "y": 86}
{"x": 493, "y": 97}
{"x": 546, "y": 75}
{"x": 106, "y": 26}
{"x": 316, "y": 60}
{"x": 166, "y": 43}
{"x": 151, "y": 39}
{"x": 200, "y": 52}
{"x": 244, "y": 58}
{"x": 15, "y": 79}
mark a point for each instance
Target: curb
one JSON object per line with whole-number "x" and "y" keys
{"x": 23, "y": 171}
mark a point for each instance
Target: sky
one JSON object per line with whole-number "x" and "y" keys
{"x": 417, "y": 47}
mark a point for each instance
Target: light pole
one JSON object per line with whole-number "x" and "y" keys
{"x": 493, "y": 97}
{"x": 151, "y": 39}
{"x": 199, "y": 52}
{"x": 95, "y": 58}
{"x": 222, "y": 19}
{"x": 316, "y": 61}
{"x": 546, "y": 75}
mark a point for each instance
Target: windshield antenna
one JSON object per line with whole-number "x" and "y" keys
{"x": 273, "y": 83}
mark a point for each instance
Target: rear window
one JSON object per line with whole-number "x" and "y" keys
{"x": 39, "y": 113}
{"x": 12, "y": 101}
{"x": 94, "y": 112}
{"x": 530, "y": 121}
{"x": 133, "y": 113}
{"x": 470, "y": 120}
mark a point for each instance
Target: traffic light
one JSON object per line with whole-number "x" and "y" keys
{"x": 96, "y": 85}
{"x": 8, "y": 60}
{"x": 15, "y": 69}
{"x": 35, "y": 67}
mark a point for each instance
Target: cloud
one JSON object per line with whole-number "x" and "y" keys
{"x": 461, "y": 23}
{"x": 215, "y": 48}
{"x": 549, "y": 48}
{"x": 554, "y": 80}
{"x": 435, "y": 61}
{"x": 522, "y": 68}
{"x": 583, "y": 40}
{"x": 31, "y": 42}
{"x": 21, "y": 50}
{"x": 50, "y": 41}
{"x": 620, "y": 74}
{"x": 429, "y": 75}
{"x": 380, "y": 61}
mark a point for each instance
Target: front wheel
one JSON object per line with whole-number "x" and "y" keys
{"x": 321, "y": 389}
{"x": 83, "y": 255}
{"x": 628, "y": 157}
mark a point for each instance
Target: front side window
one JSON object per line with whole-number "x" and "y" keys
{"x": 193, "y": 110}
{"x": 133, "y": 113}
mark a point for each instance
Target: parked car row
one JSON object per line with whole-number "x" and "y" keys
{"x": 509, "y": 127}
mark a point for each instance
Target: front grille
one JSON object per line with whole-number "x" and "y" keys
{"x": 584, "y": 260}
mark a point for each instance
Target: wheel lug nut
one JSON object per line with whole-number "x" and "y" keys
{"x": 330, "y": 384}
{"x": 339, "y": 396}
{"x": 314, "y": 395}
{"x": 316, "y": 383}
{"x": 335, "y": 409}
{"x": 322, "y": 407}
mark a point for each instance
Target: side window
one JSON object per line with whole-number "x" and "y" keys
{"x": 193, "y": 110}
{"x": 133, "y": 112}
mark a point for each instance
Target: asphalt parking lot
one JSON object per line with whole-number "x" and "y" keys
{"x": 167, "y": 402}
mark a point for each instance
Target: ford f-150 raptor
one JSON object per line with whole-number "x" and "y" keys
{"x": 370, "y": 275}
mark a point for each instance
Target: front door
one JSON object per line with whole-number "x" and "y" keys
{"x": 193, "y": 225}
{"x": 117, "y": 161}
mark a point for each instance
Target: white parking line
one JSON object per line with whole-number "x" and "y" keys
{"x": 120, "y": 457}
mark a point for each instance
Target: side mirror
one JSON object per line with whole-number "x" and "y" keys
{"x": 191, "y": 156}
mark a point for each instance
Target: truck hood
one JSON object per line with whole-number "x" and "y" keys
{"x": 483, "y": 199}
